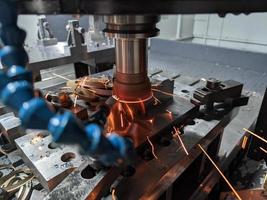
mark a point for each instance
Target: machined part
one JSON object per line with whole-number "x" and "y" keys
{"x": 16, "y": 179}
{"x": 3, "y": 109}
{"x": 163, "y": 172}
{"x": 130, "y": 33}
{"x": 213, "y": 84}
{"x": 81, "y": 182}
{"x": 135, "y": 58}
{"x": 11, "y": 128}
{"x": 131, "y": 26}
{"x": 131, "y": 82}
{"x": 50, "y": 163}
{"x": 219, "y": 98}
{"x": 75, "y": 39}
{"x": 45, "y": 35}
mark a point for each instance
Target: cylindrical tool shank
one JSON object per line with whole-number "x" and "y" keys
{"x": 131, "y": 33}
{"x": 131, "y": 56}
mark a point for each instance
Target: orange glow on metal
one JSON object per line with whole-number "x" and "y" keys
{"x": 75, "y": 100}
{"x": 152, "y": 148}
{"x": 177, "y": 134}
{"x": 220, "y": 172}
{"x": 131, "y": 102}
{"x": 143, "y": 108}
{"x": 122, "y": 124}
{"x": 244, "y": 142}
{"x": 130, "y": 111}
{"x": 111, "y": 122}
{"x": 254, "y": 134}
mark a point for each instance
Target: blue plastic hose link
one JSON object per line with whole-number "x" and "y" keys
{"x": 101, "y": 147}
{"x": 35, "y": 114}
{"x": 124, "y": 146}
{"x": 65, "y": 128}
{"x": 18, "y": 73}
{"x": 11, "y": 55}
{"x": 16, "y": 91}
{"x": 11, "y": 36}
{"x": 4, "y": 80}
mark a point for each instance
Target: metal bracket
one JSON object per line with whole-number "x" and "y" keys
{"x": 75, "y": 39}
{"x": 77, "y": 46}
{"x": 45, "y": 36}
{"x": 219, "y": 98}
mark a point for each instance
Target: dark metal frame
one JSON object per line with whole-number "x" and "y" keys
{"x": 254, "y": 151}
{"x": 108, "y": 7}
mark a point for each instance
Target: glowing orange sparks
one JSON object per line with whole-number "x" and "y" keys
{"x": 113, "y": 194}
{"x": 75, "y": 100}
{"x": 122, "y": 124}
{"x": 111, "y": 122}
{"x": 244, "y": 142}
{"x": 167, "y": 93}
{"x": 177, "y": 134}
{"x": 169, "y": 112}
{"x": 133, "y": 102}
{"x": 47, "y": 95}
{"x": 81, "y": 84}
{"x": 152, "y": 148}
{"x": 220, "y": 172}
{"x": 156, "y": 100}
{"x": 130, "y": 111}
{"x": 254, "y": 134}
{"x": 264, "y": 150}
{"x": 59, "y": 76}
{"x": 143, "y": 107}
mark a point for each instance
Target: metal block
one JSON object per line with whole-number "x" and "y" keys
{"x": 51, "y": 163}
{"x": 6, "y": 115}
{"x": 10, "y": 127}
{"x": 3, "y": 109}
{"x": 15, "y": 158}
{"x": 81, "y": 182}
{"x": 37, "y": 195}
